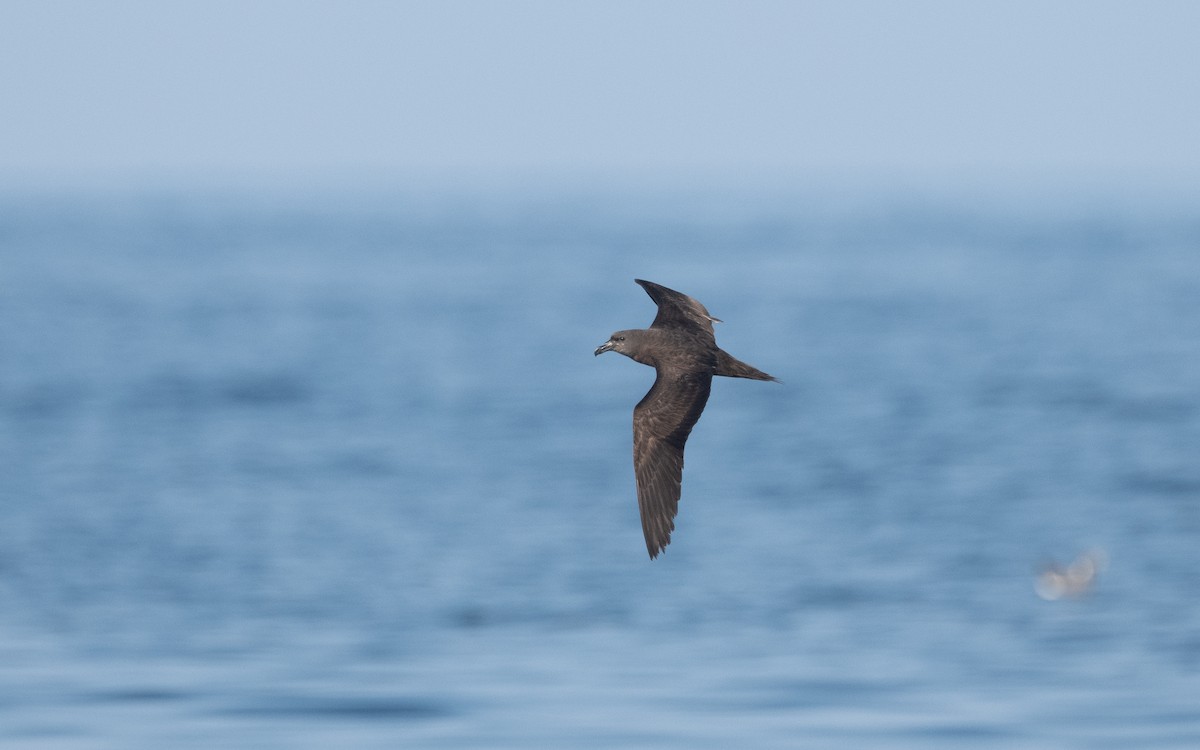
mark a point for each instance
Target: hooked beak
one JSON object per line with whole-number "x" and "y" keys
{"x": 606, "y": 346}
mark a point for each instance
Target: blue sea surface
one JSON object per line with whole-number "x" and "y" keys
{"x": 281, "y": 471}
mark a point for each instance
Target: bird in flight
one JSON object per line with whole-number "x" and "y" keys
{"x": 682, "y": 349}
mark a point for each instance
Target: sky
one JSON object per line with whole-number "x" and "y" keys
{"x": 234, "y": 91}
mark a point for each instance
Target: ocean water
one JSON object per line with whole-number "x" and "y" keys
{"x": 341, "y": 471}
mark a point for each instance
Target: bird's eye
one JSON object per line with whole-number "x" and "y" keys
{"x": 618, "y": 338}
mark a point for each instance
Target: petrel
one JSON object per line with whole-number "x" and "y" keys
{"x": 682, "y": 349}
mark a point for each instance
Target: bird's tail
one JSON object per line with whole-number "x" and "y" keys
{"x": 731, "y": 367}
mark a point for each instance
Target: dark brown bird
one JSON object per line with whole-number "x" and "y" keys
{"x": 682, "y": 349}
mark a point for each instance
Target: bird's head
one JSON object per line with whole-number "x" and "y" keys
{"x": 620, "y": 342}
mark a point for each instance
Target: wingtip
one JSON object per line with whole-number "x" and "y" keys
{"x": 655, "y": 549}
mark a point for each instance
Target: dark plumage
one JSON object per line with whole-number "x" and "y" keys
{"x": 682, "y": 349}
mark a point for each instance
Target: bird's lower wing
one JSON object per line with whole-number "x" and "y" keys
{"x": 662, "y": 422}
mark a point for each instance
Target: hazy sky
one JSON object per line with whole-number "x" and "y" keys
{"x": 232, "y": 90}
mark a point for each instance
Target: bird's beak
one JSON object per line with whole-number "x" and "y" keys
{"x": 606, "y": 346}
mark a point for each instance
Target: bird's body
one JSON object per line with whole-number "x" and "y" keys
{"x": 681, "y": 347}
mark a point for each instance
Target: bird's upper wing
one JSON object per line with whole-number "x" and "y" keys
{"x": 677, "y": 310}
{"x": 661, "y": 424}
